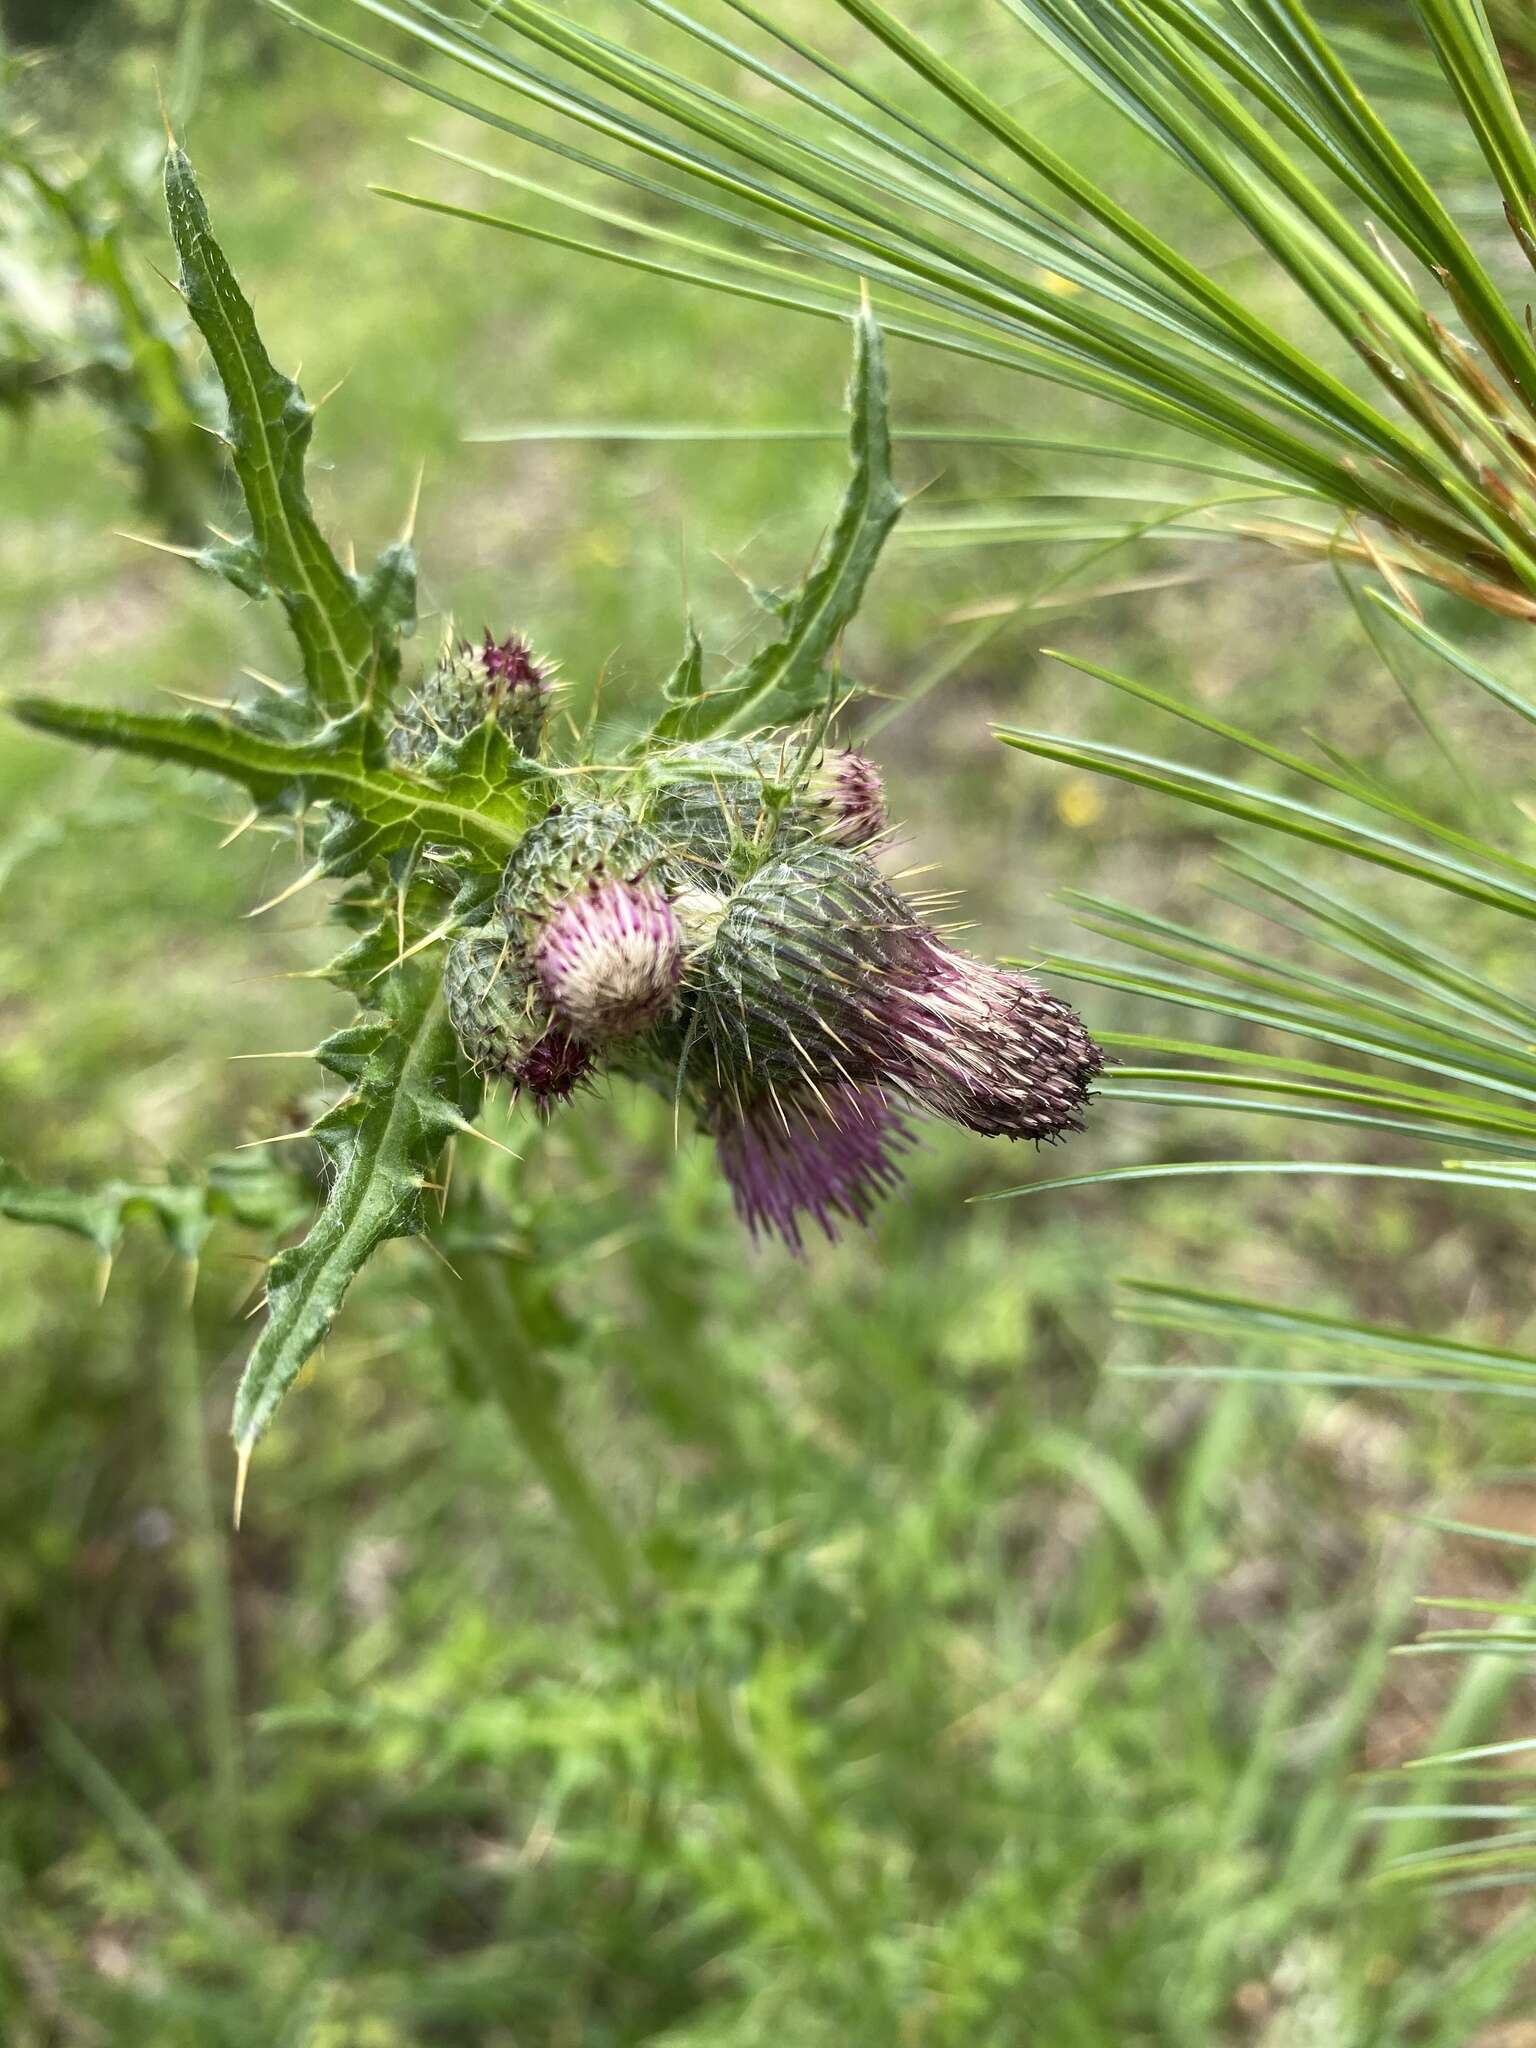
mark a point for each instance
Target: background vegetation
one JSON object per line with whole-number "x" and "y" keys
{"x": 965, "y": 1691}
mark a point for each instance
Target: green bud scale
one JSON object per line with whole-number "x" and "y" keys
{"x": 571, "y": 847}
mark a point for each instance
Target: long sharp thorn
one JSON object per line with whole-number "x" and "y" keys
{"x": 161, "y": 547}
{"x": 223, "y": 705}
{"x": 244, "y": 825}
{"x": 410, "y": 952}
{"x": 408, "y": 532}
{"x": 310, "y": 875}
{"x": 470, "y": 1130}
{"x": 270, "y": 683}
{"x": 438, "y": 1253}
{"x": 242, "y": 1469}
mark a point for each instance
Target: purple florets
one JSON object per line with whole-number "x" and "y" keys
{"x": 849, "y": 790}
{"x": 518, "y": 685}
{"x": 982, "y": 1045}
{"x": 609, "y": 959}
{"x": 828, "y": 1155}
{"x": 511, "y": 661}
{"x": 551, "y": 1070}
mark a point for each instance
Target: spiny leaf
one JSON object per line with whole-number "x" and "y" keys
{"x": 686, "y": 681}
{"x": 269, "y": 430}
{"x": 481, "y": 797}
{"x": 786, "y": 680}
{"x": 251, "y": 1193}
{"x": 410, "y": 1091}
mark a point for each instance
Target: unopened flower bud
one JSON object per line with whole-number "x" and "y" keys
{"x": 609, "y": 959}
{"x": 502, "y": 1034}
{"x": 847, "y": 791}
{"x": 499, "y": 680}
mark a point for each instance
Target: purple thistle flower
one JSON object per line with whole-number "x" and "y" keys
{"x": 609, "y": 959}
{"x": 551, "y": 1070}
{"x": 822, "y": 973}
{"x": 826, "y": 1155}
{"x": 849, "y": 792}
{"x": 983, "y": 1045}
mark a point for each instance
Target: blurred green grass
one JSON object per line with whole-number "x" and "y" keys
{"x": 1061, "y": 1686}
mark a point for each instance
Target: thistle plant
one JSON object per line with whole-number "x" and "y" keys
{"x": 702, "y": 915}
{"x": 1382, "y": 419}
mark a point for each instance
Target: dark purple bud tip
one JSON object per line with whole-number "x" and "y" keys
{"x": 551, "y": 1070}
{"x": 511, "y": 661}
{"x": 829, "y": 1155}
{"x": 609, "y": 959}
{"x": 849, "y": 791}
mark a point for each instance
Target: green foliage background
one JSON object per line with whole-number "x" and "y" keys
{"x": 878, "y": 1667}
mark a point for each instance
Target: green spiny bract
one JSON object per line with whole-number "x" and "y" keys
{"x": 572, "y": 846}
{"x": 723, "y": 807}
{"x": 499, "y": 680}
{"x": 488, "y": 999}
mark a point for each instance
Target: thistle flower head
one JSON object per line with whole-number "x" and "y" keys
{"x": 500, "y": 1027}
{"x": 500, "y": 680}
{"x": 985, "y": 1046}
{"x": 821, "y": 973}
{"x": 608, "y": 960}
{"x": 847, "y": 791}
{"x": 572, "y": 846}
{"x": 827, "y": 1155}
{"x": 551, "y": 1069}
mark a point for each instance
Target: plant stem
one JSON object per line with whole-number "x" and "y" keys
{"x": 484, "y": 1329}
{"x": 485, "y": 1332}
{"x": 206, "y": 1565}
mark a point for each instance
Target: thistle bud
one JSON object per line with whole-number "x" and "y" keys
{"x": 572, "y": 846}
{"x": 526, "y": 689}
{"x": 499, "y": 680}
{"x": 821, "y": 973}
{"x": 723, "y": 796}
{"x": 487, "y": 998}
{"x": 491, "y": 1010}
{"x": 711, "y": 801}
{"x": 847, "y": 792}
{"x": 609, "y": 959}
